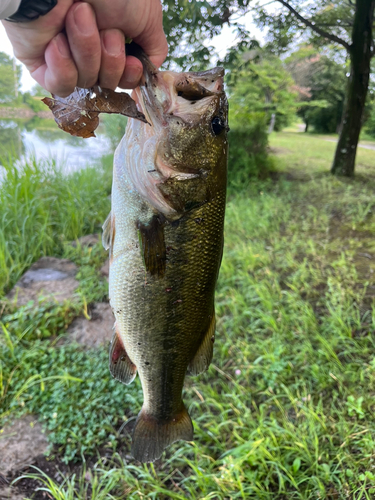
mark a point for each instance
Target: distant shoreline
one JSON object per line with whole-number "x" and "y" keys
{"x": 23, "y": 113}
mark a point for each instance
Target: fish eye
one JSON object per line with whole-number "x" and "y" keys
{"x": 217, "y": 125}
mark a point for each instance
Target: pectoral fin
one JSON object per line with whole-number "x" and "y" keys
{"x": 106, "y": 236}
{"x": 203, "y": 357}
{"x": 120, "y": 365}
{"x": 153, "y": 249}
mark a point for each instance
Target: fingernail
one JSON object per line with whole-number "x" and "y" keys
{"x": 84, "y": 19}
{"x": 62, "y": 45}
{"x": 112, "y": 44}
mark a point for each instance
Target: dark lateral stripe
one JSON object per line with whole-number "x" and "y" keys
{"x": 153, "y": 246}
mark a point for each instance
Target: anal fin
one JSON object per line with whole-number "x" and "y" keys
{"x": 203, "y": 357}
{"x": 120, "y": 365}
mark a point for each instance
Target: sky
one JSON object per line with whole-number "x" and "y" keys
{"x": 222, "y": 42}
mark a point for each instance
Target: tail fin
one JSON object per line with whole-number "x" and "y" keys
{"x": 151, "y": 436}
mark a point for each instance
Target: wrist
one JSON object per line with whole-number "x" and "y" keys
{"x": 29, "y": 10}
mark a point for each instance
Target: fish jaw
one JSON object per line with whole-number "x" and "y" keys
{"x": 177, "y": 162}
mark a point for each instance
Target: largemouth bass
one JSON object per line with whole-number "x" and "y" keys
{"x": 165, "y": 237}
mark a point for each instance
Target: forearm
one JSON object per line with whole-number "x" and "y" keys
{"x": 8, "y": 7}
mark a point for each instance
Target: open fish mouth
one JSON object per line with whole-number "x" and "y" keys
{"x": 166, "y": 94}
{"x": 187, "y": 122}
{"x": 163, "y": 94}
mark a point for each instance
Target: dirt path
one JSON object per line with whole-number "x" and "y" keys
{"x": 364, "y": 146}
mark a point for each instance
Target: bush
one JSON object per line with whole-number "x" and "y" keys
{"x": 370, "y": 122}
{"x": 248, "y": 143}
{"x": 35, "y": 103}
{"x": 326, "y": 120}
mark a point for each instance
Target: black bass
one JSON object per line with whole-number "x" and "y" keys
{"x": 165, "y": 237}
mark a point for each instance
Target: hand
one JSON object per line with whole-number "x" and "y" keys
{"x": 93, "y": 48}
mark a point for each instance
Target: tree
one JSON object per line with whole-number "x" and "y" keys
{"x": 188, "y": 24}
{"x": 10, "y": 76}
{"x": 349, "y": 25}
{"x": 259, "y": 83}
{"x": 321, "y": 83}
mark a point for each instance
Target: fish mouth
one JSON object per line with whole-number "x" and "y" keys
{"x": 180, "y": 109}
{"x": 165, "y": 94}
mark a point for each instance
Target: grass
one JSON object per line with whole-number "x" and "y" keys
{"x": 313, "y": 154}
{"x": 40, "y": 209}
{"x": 286, "y": 410}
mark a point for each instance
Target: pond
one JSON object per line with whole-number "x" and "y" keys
{"x": 41, "y": 138}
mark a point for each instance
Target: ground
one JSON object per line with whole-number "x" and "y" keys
{"x": 286, "y": 408}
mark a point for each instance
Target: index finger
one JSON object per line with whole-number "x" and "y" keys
{"x": 153, "y": 41}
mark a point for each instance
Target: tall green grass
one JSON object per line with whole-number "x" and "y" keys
{"x": 41, "y": 208}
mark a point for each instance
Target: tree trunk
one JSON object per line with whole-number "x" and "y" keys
{"x": 360, "y": 58}
{"x": 272, "y": 123}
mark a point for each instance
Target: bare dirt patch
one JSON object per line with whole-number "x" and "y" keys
{"x": 96, "y": 331}
{"x": 20, "y": 443}
{"x": 51, "y": 277}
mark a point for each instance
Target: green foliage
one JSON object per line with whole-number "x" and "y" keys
{"x": 259, "y": 83}
{"x": 33, "y": 102}
{"x": 9, "y": 79}
{"x": 370, "y": 122}
{"x": 40, "y": 209}
{"x": 70, "y": 389}
{"x": 114, "y": 127}
{"x": 321, "y": 83}
{"x": 369, "y": 117}
{"x": 248, "y": 154}
{"x": 102, "y": 483}
{"x": 11, "y": 144}
{"x": 39, "y": 91}
{"x": 32, "y": 322}
{"x": 189, "y": 24}
{"x": 334, "y": 17}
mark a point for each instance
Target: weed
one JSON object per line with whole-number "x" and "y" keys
{"x": 40, "y": 209}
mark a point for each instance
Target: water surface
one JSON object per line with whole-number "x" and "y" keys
{"x": 20, "y": 139}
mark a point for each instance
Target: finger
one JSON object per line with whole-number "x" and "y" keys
{"x": 113, "y": 58}
{"x": 132, "y": 74}
{"x": 58, "y": 74}
{"x": 153, "y": 40}
{"x": 84, "y": 41}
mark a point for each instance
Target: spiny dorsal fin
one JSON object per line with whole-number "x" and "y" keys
{"x": 203, "y": 357}
{"x": 120, "y": 365}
